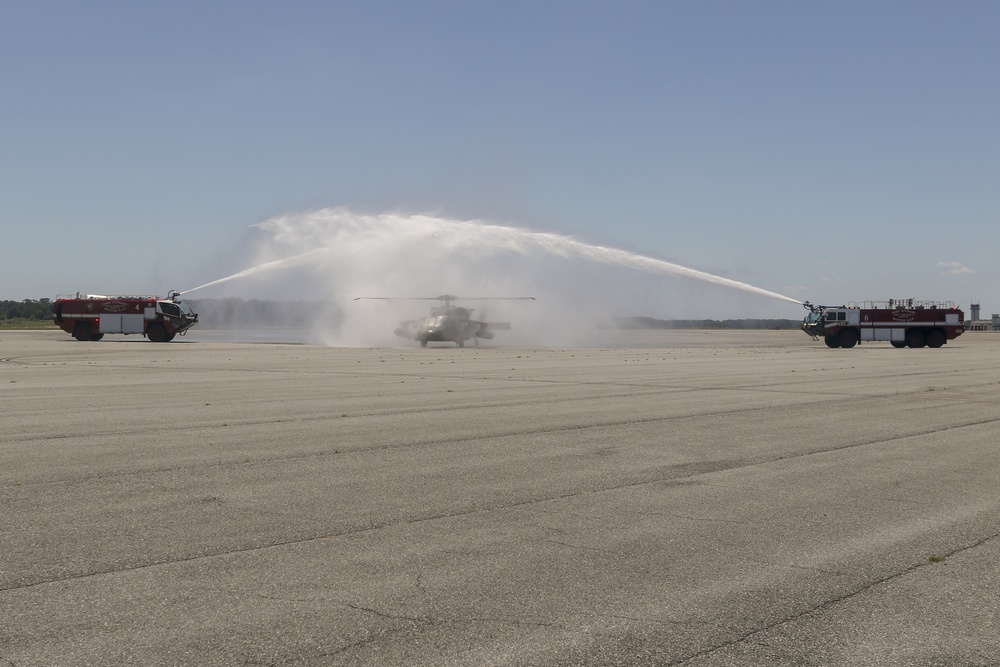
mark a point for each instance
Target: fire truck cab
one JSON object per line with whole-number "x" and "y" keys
{"x": 901, "y": 322}
{"x": 91, "y": 316}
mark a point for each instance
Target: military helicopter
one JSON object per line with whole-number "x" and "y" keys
{"x": 448, "y": 322}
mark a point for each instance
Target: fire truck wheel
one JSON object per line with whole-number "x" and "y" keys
{"x": 156, "y": 333}
{"x": 831, "y": 341}
{"x": 848, "y": 338}
{"x": 936, "y": 338}
{"x": 81, "y": 331}
{"x": 898, "y": 343}
{"x": 915, "y": 338}
{"x": 96, "y": 337}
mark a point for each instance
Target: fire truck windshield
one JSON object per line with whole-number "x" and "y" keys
{"x": 168, "y": 308}
{"x": 175, "y": 309}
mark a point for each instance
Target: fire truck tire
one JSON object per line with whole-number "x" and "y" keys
{"x": 915, "y": 338}
{"x": 831, "y": 341}
{"x": 898, "y": 343}
{"x": 156, "y": 333}
{"x": 936, "y": 338}
{"x": 848, "y": 338}
{"x": 96, "y": 337}
{"x": 81, "y": 331}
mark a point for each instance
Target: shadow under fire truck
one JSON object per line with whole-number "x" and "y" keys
{"x": 90, "y": 317}
{"x": 902, "y": 322}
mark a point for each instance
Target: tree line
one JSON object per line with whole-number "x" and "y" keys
{"x": 29, "y": 309}
{"x": 239, "y": 311}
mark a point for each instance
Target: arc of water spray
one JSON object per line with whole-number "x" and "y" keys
{"x": 621, "y": 257}
{"x": 278, "y": 263}
{"x": 504, "y": 238}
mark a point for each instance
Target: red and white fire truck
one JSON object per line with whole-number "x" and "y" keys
{"x": 901, "y": 322}
{"x": 91, "y": 316}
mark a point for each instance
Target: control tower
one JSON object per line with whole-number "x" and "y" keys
{"x": 974, "y": 312}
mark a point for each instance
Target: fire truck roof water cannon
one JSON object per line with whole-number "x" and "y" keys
{"x": 901, "y": 322}
{"x": 89, "y": 317}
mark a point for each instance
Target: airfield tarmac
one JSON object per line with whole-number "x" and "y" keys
{"x": 673, "y": 498}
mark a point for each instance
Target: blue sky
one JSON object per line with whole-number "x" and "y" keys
{"x": 827, "y": 151}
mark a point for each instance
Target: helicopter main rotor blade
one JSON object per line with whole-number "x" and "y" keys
{"x": 445, "y": 297}
{"x": 397, "y": 298}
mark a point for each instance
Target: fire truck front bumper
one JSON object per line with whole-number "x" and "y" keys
{"x": 182, "y": 327}
{"x": 813, "y": 330}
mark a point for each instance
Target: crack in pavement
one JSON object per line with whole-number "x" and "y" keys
{"x": 752, "y": 636}
{"x": 483, "y": 438}
{"x": 690, "y": 471}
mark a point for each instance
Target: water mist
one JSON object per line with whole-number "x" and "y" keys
{"x": 335, "y": 255}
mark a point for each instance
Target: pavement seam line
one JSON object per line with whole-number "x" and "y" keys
{"x": 826, "y": 604}
{"x": 473, "y": 510}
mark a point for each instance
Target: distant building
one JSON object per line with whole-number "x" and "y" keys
{"x": 976, "y": 324}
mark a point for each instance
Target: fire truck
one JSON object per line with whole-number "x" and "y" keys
{"x": 901, "y": 322}
{"x": 91, "y": 316}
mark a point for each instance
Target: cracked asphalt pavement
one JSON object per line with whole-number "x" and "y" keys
{"x": 692, "y": 498}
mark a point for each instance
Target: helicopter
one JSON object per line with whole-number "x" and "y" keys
{"x": 448, "y": 322}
